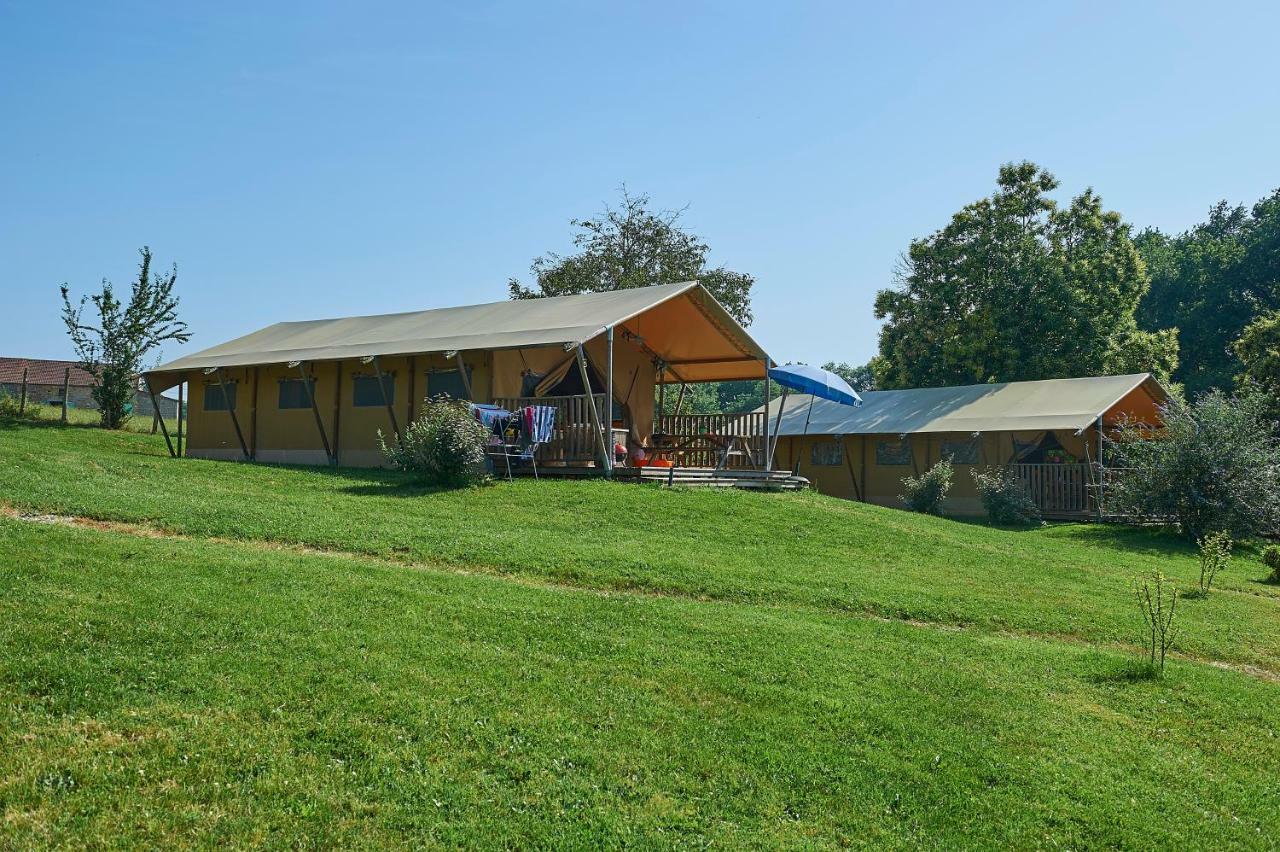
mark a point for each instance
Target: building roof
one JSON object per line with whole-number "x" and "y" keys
{"x": 1010, "y": 406}
{"x": 43, "y": 372}
{"x": 709, "y": 335}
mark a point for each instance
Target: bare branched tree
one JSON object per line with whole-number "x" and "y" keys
{"x": 111, "y": 346}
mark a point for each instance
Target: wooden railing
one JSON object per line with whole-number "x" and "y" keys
{"x": 573, "y": 439}
{"x": 1058, "y": 489}
{"x": 701, "y": 440}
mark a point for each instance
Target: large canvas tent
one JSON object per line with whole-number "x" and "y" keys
{"x": 365, "y": 374}
{"x": 1050, "y": 431}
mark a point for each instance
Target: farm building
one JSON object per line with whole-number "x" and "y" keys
{"x": 319, "y": 391}
{"x": 44, "y": 381}
{"x": 1049, "y": 432}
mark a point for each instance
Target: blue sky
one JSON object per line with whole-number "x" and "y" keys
{"x": 309, "y": 160}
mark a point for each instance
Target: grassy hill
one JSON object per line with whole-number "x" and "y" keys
{"x": 199, "y": 652}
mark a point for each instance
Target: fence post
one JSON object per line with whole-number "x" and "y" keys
{"x": 22, "y": 400}
{"x": 66, "y": 386}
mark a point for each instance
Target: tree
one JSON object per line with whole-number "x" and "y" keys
{"x": 860, "y": 378}
{"x": 633, "y": 246}
{"x": 1259, "y": 352}
{"x": 1214, "y": 467}
{"x": 1211, "y": 282}
{"x": 1016, "y": 288}
{"x": 112, "y": 348}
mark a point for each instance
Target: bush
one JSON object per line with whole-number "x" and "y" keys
{"x": 1271, "y": 559}
{"x": 9, "y": 405}
{"x": 444, "y": 445}
{"x": 1215, "y": 555}
{"x": 926, "y": 492}
{"x": 1004, "y": 498}
{"x": 1214, "y": 466}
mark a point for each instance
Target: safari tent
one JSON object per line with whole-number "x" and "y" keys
{"x": 318, "y": 391}
{"x": 1049, "y": 432}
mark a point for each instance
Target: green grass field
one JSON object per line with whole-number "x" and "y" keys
{"x": 257, "y": 655}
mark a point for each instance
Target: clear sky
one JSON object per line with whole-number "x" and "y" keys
{"x": 312, "y": 159}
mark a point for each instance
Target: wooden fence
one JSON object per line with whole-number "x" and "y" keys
{"x": 701, "y": 440}
{"x": 1060, "y": 490}
{"x": 573, "y": 439}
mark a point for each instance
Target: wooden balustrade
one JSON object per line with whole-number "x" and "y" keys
{"x": 1057, "y": 489}
{"x": 700, "y": 440}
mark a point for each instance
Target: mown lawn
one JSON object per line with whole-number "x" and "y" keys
{"x": 588, "y": 664}
{"x": 782, "y": 549}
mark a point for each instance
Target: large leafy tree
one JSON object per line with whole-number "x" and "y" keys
{"x": 861, "y": 377}
{"x": 1016, "y": 287}
{"x": 1259, "y": 352}
{"x": 633, "y": 245}
{"x": 1211, "y": 282}
{"x": 112, "y": 345}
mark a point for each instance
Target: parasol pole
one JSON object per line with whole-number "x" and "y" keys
{"x": 782, "y": 403}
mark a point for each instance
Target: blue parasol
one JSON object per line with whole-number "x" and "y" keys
{"x": 815, "y": 381}
{"x": 821, "y": 383}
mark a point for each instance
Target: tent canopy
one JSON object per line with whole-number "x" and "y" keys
{"x": 682, "y": 324}
{"x": 1072, "y": 404}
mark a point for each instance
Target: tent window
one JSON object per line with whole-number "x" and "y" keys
{"x": 213, "y": 400}
{"x": 967, "y": 451}
{"x": 893, "y": 453}
{"x": 826, "y": 453}
{"x": 294, "y": 395}
{"x": 365, "y": 392}
{"x": 447, "y": 382}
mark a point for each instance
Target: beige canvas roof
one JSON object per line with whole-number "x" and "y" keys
{"x": 1012, "y": 406}
{"x": 681, "y": 323}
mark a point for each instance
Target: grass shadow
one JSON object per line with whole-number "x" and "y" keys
{"x": 1150, "y": 541}
{"x": 973, "y": 521}
{"x": 396, "y": 489}
{"x": 1127, "y": 672}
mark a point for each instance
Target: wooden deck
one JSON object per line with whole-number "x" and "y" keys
{"x": 695, "y": 477}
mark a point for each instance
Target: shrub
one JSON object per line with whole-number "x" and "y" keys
{"x": 1214, "y": 466}
{"x": 1004, "y": 498}
{"x": 444, "y": 445}
{"x": 1158, "y": 600}
{"x": 1215, "y": 554}
{"x": 9, "y": 405}
{"x": 926, "y": 492}
{"x": 1271, "y": 559}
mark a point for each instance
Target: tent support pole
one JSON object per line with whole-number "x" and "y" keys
{"x": 662, "y": 390}
{"x": 1102, "y": 471}
{"x": 315, "y": 409}
{"x": 606, "y": 456}
{"x": 386, "y": 400}
{"x": 680, "y": 396}
{"x": 253, "y": 416}
{"x": 337, "y": 411}
{"x": 608, "y": 395}
{"x": 155, "y": 405}
{"x": 181, "y": 388}
{"x": 466, "y": 380}
{"x": 768, "y": 445}
{"x": 848, "y": 462}
{"x": 864, "y": 469}
{"x": 413, "y": 393}
{"x": 231, "y": 409}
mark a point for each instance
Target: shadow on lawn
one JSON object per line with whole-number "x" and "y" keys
{"x": 1150, "y": 541}
{"x": 1128, "y": 671}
